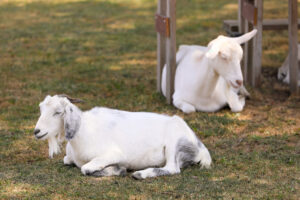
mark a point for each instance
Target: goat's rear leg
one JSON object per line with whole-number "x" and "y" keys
{"x": 171, "y": 166}
{"x": 153, "y": 172}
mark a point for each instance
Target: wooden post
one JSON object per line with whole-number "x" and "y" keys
{"x": 161, "y": 45}
{"x": 165, "y": 24}
{"x": 293, "y": 46}
{"x": 257, "y": 45}
{"x": 241, "y": 20}
{"x": 247, "y": 55}
{"x": 171, "y": 49}
{"x": 241, "y": 29}
{"x": 251, "y": 15}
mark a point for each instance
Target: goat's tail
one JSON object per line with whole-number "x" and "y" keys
{"x": 194, "y": 145}
{"x": 203, "y": 156}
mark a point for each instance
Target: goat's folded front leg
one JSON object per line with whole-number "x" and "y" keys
{"x": 115, "y": 170}
{"x": 184, "y": 106}
{"x": 99, "y": 163}
{"x": 68, "y": 159}
{"x": 235, "y": 102}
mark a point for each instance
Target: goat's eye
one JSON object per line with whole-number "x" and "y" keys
{"x": 56, "y": 113}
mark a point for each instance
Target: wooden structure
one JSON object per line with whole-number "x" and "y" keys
{"x": 232, "y": 27}
{"x": 165, "y": 23}
{"x": 293, "y": 45}
{"x": 250, "y": 16}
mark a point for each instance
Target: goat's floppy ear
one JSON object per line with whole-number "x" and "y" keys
{"x": 246, "y": 37}
{"x": 72, "y": 120}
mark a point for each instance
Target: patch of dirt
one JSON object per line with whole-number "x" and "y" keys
{"x": 271, "y": 109}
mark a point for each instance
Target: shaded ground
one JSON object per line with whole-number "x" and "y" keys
{"x": 104, "y": 52}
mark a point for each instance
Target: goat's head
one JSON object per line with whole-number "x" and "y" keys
{"x": 225, "y": 54}
{"x": 58, "y": 115}
{"x": 282, "y": 72}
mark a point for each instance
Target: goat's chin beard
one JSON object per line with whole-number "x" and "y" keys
{"x": 54, "y": 143}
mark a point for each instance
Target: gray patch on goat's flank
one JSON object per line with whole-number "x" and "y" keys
{"x": 71, "y": 109}
{"x": 160, "y": 172}
{"x": 186, "y": 152}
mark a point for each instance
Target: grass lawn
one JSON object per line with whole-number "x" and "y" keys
{"x": 105, "y": 53}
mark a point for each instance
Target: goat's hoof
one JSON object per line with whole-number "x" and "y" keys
{"x": 87, "y": 172}
{"x": 236, "y": 110}
{"x": 137, "y": 176}
{"x": 98, "y": 173}
{"x": 68, "y": 161}
{"x": 123, "y": 173}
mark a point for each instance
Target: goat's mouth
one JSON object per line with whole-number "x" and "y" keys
{"x": 41, "y": 136}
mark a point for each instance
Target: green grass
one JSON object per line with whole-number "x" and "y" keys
{"x": 104, "y": 52}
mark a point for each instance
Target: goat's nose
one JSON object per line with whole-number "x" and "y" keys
{"x": 239, "y": 82}
{"x": 36, "y": 131}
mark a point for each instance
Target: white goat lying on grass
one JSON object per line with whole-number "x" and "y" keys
{"x": 208, "y": 78}
{"x": 106, "y": 142}
{"x": 284, "y": 71}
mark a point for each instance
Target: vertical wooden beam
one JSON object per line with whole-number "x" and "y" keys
{"x": 241, "y": 29}
{"x": 252, "y": 17}
{"x": 161, "y": 45}
{"x": 249, "y": 55}
{"x": 241, "y": 20}
{"x": 247, "y": 62}
{"x": 293, "y": 45}
{"x": 171, "y": 49}
{"x": 257, "y": 45}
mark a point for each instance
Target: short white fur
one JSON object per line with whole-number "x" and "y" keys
{"x": 102, "y": 141}
{"x": 208, "y": 78}
{"x": 283, "y": 73}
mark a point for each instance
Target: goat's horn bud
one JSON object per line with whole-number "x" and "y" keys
{"x": 72, "y": 100}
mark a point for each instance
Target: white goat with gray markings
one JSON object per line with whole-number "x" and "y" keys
{"x": 209, "y": 78}
{"x": 106, "y": 142}
{"x": 283, "y": 73}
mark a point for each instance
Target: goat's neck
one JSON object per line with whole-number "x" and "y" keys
{"x": 209, "y": 82}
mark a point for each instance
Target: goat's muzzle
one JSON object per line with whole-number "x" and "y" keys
{"x": 239, "y": 82}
